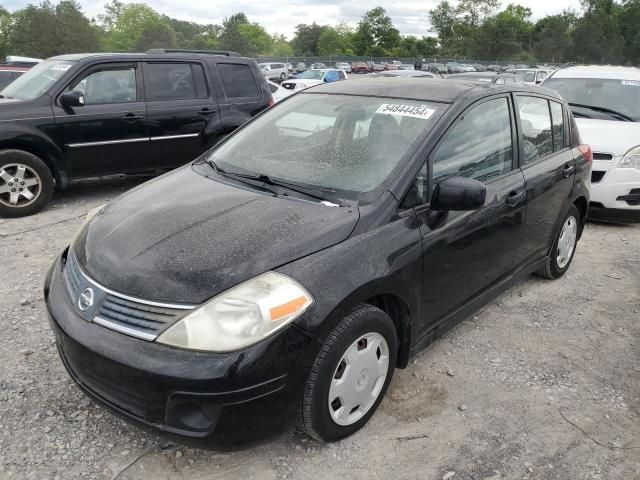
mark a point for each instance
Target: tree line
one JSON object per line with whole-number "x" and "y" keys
{"x": 603, "y": 31}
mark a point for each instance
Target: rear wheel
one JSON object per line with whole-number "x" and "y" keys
{"x": 283, "y": 77}
{"x": 564, "y": 246}
{"x": 26, "y": 184}
{"x": 350, "y": 375}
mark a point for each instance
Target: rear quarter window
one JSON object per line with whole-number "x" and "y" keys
{"x": 237, "y": 80}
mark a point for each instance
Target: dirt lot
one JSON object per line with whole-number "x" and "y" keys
{"x": 544, "y": 383}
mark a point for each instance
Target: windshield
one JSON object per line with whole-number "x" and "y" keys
{"x": 618, "y": 95}
{"x": 37, "y": 80}
{"x": 528, "y": 76}
{"x": 344, "y": 143}
{"x": 312, "y": 75}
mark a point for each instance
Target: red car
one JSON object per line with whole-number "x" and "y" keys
{"x": 359, "y": 67}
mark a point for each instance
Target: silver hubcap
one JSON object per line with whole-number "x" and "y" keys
{"x": 567, "y": 242}
{"x": 20, "y": 185}
{"x": 358, "y": 379}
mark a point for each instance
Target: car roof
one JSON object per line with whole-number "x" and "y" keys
{"x": 599, "y": 71}
{"x": 437, "y": 90}
{"x": 76, "y": 57}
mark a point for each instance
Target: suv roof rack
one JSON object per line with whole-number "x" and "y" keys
{"x": 226, "y": 53}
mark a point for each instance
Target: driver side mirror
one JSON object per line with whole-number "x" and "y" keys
{"x": 72, "y": 99}
{"x": 458, "y": 194}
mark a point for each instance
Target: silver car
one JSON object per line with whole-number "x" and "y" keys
{"x": 274, "y": 71}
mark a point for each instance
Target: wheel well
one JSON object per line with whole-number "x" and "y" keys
{"x": 33, "y": 150}
{"x": 582, "y": 206}
{"x": 399, "y": 313}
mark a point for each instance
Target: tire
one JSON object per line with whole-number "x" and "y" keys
{"x": 556, "y": 264}
{"x": 283, "y": 77}
{"x": 362, "y": 328}
{"x": 33, "y": 176}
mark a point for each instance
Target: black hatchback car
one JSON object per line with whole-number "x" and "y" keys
{"x": 250, "y": 287}
{"x": 89, "y": 115}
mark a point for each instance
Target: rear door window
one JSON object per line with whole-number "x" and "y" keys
{"x": 535, "y": 119}
{"x": 557, "y": 126}
{"x": 237, "y": 80}
{"x": 174, "y": 81}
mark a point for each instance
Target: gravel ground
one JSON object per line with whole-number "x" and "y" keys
{"x": 541, "y": 384}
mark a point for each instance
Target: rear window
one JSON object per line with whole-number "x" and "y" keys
{"x": 237, "y": 80}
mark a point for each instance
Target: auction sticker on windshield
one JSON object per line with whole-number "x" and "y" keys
{"x": 413, "y": 111}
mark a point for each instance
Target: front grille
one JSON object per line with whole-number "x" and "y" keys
{"x": 597, "y": 175}
{"x": 139, "y": 318}
{"x": 602, "y": 156}
{"x": 143, "y": 318}
{"x": 72, "y": 276}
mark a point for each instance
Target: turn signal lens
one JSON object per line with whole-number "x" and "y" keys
{"x": 241, "y": 316}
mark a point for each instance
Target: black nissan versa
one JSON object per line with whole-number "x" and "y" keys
{"x": 89, "y": 115}
{"x": 251, "y": 287}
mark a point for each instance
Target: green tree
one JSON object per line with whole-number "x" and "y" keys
{"x": 597, "y": 37}
{"x": 505, "y": 36}
{"x": 281, "y": 47}
{"x": 124, "y": 24}
{"x": 376, "y": 33}
{"x": 79, "y": 34}
{"x": 258, "y": 41}
{"x": 306, "y": 38}
{"x": 35, "y": 31}
{"x": 629, "y": 19}
{"x": 230, "y": 37}
{"x": 155, "y": 35}
{"x": 6, "y": 24}
{"x": 552, "y": 40}
{"x": 330, "y": 42}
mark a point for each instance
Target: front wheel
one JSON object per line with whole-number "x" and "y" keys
{"x": 26, "y": 184}
{"x": 350, "y": 375}
{"x": 564, "y": 246}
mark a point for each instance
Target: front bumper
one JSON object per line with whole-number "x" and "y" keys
{"x": 232, "y": 397}
{"x": 615, "y": 188}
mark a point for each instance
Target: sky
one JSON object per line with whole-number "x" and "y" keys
{"x": 281, "y": 16}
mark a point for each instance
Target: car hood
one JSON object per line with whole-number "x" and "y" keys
{"x": 302, "y": 81}
{"x": 185, "y": 238}
{"x": 609, "y": 136}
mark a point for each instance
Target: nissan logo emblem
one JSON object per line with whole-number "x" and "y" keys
{"x": 85, "y": 300}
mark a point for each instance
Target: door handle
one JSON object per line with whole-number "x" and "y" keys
{"x": 568, "y": 170}
{"x": 206, "y": 111}
{"x": 514, "y": 197}
{"x": 132, "y": 117}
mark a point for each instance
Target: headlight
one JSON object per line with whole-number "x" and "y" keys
{"x": 241, "y": 316}
{"x": 631, "y": 159}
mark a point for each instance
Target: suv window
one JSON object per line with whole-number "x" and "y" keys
{"x": 111, "y": 85}
{"x": 174, "y": 81}
{"x": 557, "y": 126}
{"x": 479, "y": 145}
{"x": 237, "y": 80}
{"x": 536, "y": 127}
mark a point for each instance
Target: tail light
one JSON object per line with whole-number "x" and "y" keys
{"x": 586, "y": 151}
{"x": 272, "y": 101}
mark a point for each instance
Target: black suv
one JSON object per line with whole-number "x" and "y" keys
{"x": 87, "y": 115}
{"x": 291, "y": 286}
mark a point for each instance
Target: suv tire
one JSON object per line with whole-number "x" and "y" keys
{"x": 564, "y": 246}
{"x": 350, "y": 366}
{"x": 26, "y": 184}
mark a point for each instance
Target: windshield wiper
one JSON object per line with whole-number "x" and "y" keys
{"x": 266, "y": 179}
{"x": 608, "y": 111}
{"x": 235, "y": 176}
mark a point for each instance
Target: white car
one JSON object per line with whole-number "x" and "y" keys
{"x": 274, "y": 71}
{"x": 311, "y": 78}
{"x": 278, "y": 92}
{"x": 533, "y": 76}
{"x": 605, "y": 101}
{"x": 344, "y": 66}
